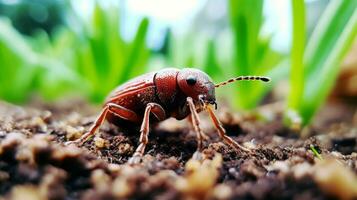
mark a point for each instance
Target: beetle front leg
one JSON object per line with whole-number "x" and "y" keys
{"x": 99, "y": 121}
{"x": 204, "y": 135}
{"x": 160, "y": 114}
{"x": 196, "y": 125}
{"x": 112, "y": 108}
{"x": 222, "y": 132}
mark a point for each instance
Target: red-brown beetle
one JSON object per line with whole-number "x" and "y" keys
{"x": 166, "y": 93}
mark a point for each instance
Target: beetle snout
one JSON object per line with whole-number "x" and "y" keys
{"x": 214, "y": 103}
{"x": 209, "y": 97}
{"x": 205, "y": 100}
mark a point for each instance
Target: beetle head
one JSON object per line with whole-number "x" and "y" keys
{"x": 198, "y": 85}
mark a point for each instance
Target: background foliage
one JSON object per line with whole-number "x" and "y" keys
{"x": 88, "y": 56}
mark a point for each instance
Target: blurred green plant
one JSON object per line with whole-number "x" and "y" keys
{"x": 28, "y": 16}
{"x": 190, "y": 50}
{"x": 296, "y": 64}
{"x": 23, "y": 70}
{"x": 252, "y": 52}
{"x": 240, "y": 50}
{"x": 88, "y": 57}
{"x": 314, "y": 68}
{"x": 102, "y": 57}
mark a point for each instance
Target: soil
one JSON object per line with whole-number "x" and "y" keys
{"x": 35, "y": 163}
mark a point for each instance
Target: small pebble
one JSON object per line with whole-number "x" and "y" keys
{"x": 101, "y": 143}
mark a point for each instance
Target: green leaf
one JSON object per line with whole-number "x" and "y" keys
{"x": 328, "y": 30}
{"x": 25, "y": 70}
{"x": 211, "y": 66}
{"x": 297, "y": 69}
{"x": 136, "y": 52}
{"x": 320, "y": 83}
{"x": 250, "y": 49}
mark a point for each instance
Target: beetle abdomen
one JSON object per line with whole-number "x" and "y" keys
{"x": 133, "y": 95}
{"x": 136, "y": 100}
{"x": 145, "y": 80}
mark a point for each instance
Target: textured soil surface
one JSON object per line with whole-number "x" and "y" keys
{"x": 35, "y": 163}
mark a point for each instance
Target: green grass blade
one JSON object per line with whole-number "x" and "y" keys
{"x": 86, "y": 63}
{"x": 326, "y": 33}
{"x": 211, "y": 65}
{"x": 117, "y": 48}
{"x": 297, "y": 53}
{"x": 246, "y": 19}
{"x": 320, "y": 86}
{"x": 276, "y": 74}
{"x": 135, "y": 52}
{"x": 25, "y": 70}
{"x": 97, "y": 41}
{"x": 297, "y": 68}
{"x": 315, "y": 152}
{"x": 17, "y": 61}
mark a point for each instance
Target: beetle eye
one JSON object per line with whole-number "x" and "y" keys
{"x": 191, "y": 80}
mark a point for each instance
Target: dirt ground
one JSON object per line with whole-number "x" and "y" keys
{"x": 35, "y": 164}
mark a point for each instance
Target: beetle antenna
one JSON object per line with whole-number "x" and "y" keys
{"x": 243, "y": 78}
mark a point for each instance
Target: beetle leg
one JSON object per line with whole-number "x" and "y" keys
{"x": 204, "y": 135}
{"x": 160, "y": 114}
{"x": 222, "y": 132}
{"x": 92, "y": 130}
{"x": 196, "y": 125}
{"x": 123, "y": 112}
{"x": 112, "y": 108}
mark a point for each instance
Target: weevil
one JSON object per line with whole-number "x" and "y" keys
{"x": 156, "y": 96}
